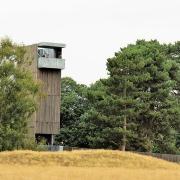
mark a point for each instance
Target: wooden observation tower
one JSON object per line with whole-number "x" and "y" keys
{"x": 46, "y": 65}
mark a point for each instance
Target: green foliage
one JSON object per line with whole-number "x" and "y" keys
{"x": 73, "y": 104}
{"x": 136, "y": 108}
{"x": 17, "y": 96}
{"x": 145, "y": 71}
{"x": 101, "y": 130}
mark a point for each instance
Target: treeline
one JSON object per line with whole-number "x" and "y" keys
{"x": 136, "y": 108}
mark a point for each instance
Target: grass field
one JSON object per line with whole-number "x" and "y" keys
{"x": 84, "y": 165}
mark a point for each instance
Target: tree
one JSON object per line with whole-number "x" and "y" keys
{"x": 174, "y": 54}
{"x": 18, "y": 93}
{"x": 73, "y": 104}
{"x": 117, "y": 110}
{"x": 158, "y": 118}
{"x": 140, "y": 74}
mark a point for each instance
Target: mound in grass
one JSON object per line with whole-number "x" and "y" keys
{"x": 87, "y": 158}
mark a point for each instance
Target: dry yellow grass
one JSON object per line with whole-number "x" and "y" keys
{"x": 84, "y": 165}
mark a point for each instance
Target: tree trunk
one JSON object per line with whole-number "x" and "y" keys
{"x": 123, "y": 147}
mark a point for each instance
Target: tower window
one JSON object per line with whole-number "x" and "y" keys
{"x": 46, "y": 52}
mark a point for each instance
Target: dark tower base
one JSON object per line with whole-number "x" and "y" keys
{"x": 48, "y": 138}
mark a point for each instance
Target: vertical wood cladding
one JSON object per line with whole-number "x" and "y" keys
{"x": 48, "y": 114}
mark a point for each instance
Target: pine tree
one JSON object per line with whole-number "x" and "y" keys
{"x": 127, "y": 72}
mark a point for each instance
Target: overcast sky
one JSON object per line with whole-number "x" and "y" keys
{"x": 92, "y": 29}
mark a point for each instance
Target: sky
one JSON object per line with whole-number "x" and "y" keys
{"x": 93, "y": 30}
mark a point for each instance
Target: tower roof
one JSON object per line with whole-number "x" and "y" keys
{"x": 50, "y": 44}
